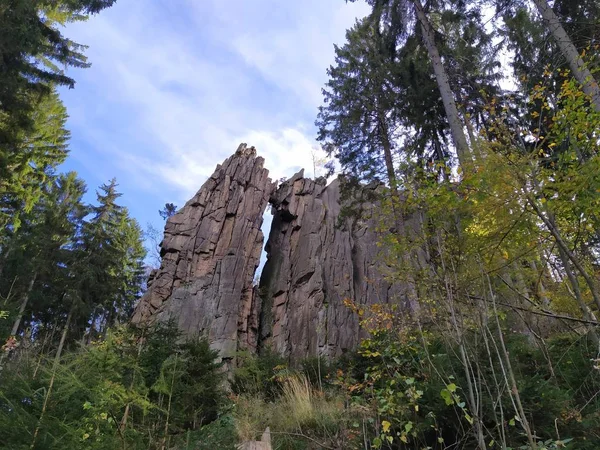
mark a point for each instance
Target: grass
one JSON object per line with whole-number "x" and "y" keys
{"x": 302, "y": 417}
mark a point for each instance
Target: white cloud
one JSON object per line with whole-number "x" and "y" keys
{"x": 175, "y": 87}
{"x": 285, "y": 152}
{"x": 292, "y": 47}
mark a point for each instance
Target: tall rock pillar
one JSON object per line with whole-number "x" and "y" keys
{"x": 313, "y": 265}
{"x": 210, "y": 252}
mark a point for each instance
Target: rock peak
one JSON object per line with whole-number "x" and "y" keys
{"x": 244, "y": 150}
{"x": 212, "y": 247}
{"x": 210, "y": 251}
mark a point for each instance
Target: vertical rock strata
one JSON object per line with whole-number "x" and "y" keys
{"x": 210, "y": 252}
{"x": 312, "y": 266}
{"x": 212, "y": 247}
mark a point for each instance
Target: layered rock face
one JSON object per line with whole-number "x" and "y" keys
{"x": 210, "y": 252}
{"x": 315, "y": 263}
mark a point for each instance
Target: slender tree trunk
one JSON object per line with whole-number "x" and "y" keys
{"x": 581, "y": 73}
{"x": 550, "y": 223}
{"x": 3, "y": 258}
{"x": 55, "y": 364}
{"x": 17, "y": 323}
{"x": 499, "y": 388}
{"x": 456, "y": 126}
{"x": 123, "y": 423}
{"x": 166, "y": 431}
{"x": 511, "y": 375}
{"x": 387, "y": 152}
{"x": 24, "y": 302}
{"x": 90, "y": 335}
{"x": 540, "y": 288}
{"x": 46, "y": 340}
{"x": 401, "y": 231}
{"x": 585, "y": 310}
{"x": 472, "y": 401}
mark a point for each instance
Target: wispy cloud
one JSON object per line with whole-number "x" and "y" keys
{"x": 175, "y": 86}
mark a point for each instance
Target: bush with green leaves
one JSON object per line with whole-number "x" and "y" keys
{"x": 259, "y": 374}
{"x": 132, "y": 390}
{"x": 416, "y": 393}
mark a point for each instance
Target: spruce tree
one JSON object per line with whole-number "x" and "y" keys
{"x": 34, "y": 54}
{"x": 36, "y": 272}
{"x": 109, "y": 271}
{"x": 396, "y": 17}
{"x": 27, "y": 164}
{"x": 358, "y": 122}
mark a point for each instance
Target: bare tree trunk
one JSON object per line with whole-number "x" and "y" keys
{"x": 387, "y": 151}
{"x": 513, "y": 383}
{"x": 413, "y": 297}
{"x": 472, "y": 401}
{"x": 585, "y": 309}
{"x": 581, "y": 73}
{"x": 540, "y": 288}
{"x": 123, "y": 423}
{"x": 166, "y": 431}
{"x": 3, "y": 258}
{"x": 456, "y": 126}
{"x": 17, "y": 322}
{"x": 550, "y": 223}
{"x": 47, "y": 339}
{"x": 24, "y": 302}
{"x": 90, "y": 335}
{"x": 53, "y": 377}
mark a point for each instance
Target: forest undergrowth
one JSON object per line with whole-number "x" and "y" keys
{"x": 488, "y": 217}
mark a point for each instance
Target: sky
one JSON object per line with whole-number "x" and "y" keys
{"x": 176, "y": 85}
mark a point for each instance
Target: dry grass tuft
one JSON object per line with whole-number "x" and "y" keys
{"x": 299, "y": 398}
{"x": 301, "y": 410}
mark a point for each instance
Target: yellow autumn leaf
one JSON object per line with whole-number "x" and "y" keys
{"x": 385, "y": 425}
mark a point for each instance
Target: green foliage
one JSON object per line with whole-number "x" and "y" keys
{"x": 317, "y": 369}
{"x": 197, "y": 386}
{"x": 259, "y": 375}
{"x": 50, "y": 274}
{"x": 358, "y": 120}
{"x": 102, "y": 400}
{"x": 220, "y": 434}
{"x": 33, "y": 138}
{"x": 27, "y": 166}
{"x": 35, "y": 55}
{"x": 498, "y": 346}
{"x": 415, "y": 394}
{"x": 62, "y": 259}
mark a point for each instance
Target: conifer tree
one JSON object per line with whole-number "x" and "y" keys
{"x": 359, "y": 123}
{"x": 395, "y": 17}
{"x": 168, "y": 210}
{"x": 576, "y": 63}
{"x": 27, "y": 164}
{"x": 36, "y": 271}
{"x": 109, "y": 270}
{"x": 34, "y": 56}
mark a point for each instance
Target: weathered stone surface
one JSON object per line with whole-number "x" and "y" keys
{"x": 212, "y": 247}
{"x": 312, "y": 266}
{"x": 210, "y": 252}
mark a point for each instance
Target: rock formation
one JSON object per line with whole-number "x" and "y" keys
{"x": 313, "y": 264}
{"x": 210, "y": 252}
{"x": 212, "y": 247}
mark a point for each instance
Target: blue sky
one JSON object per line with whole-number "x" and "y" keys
{"x": 176, "y": 85}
